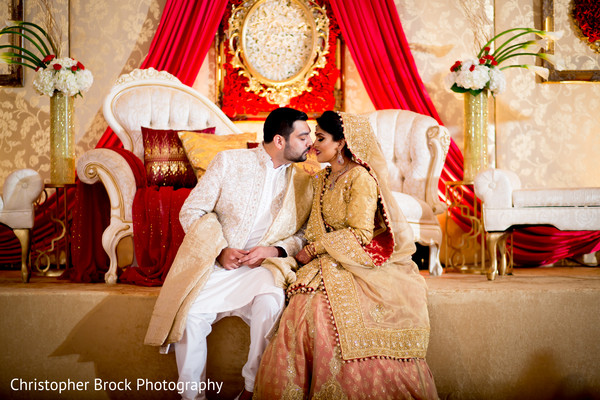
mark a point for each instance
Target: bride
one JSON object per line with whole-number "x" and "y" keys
{"x": 357, "y": 324}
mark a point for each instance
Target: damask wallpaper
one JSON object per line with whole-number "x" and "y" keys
{"x": 110, "y": 38}
{"x": 547, "y": 133}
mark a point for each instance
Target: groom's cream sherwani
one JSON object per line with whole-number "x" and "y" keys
{"x": 220, "y": 212}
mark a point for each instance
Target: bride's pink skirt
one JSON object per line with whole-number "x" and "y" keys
{"x": 303, "y": 362}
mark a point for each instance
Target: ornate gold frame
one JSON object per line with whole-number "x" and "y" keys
{"x": 564, "y": 76}
{"x": 245, "y": 18}
{"x": 14, "y": 78}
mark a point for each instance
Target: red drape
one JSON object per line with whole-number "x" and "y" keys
{"x": 182, "y": 39}
{"x": 157, "y": 232}
{"x": 376, "y": 40}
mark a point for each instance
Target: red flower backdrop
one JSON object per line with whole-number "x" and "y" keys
{"x": 587, "y": 15}
{"x": 236, "y": 101}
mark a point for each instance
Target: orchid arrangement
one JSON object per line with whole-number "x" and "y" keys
{"x": 485, "y": 72}
{"x": 54, "y": 74}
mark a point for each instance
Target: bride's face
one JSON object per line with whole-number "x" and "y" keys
{"x": 325, "y": 147}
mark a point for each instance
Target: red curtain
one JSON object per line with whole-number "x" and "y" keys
{"x": 182, "y": 39}
{"x": 376, "y": 40}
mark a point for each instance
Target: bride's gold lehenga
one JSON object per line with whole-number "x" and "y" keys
{"x": 356, "y": 325}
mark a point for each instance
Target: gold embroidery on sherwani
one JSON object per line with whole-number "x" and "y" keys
{"x": 221, "y": 191}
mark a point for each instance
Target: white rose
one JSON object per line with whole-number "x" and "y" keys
{"x": 497, "y": 81}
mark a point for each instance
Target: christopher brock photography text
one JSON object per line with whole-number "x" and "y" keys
{"x": 140, "y": 384}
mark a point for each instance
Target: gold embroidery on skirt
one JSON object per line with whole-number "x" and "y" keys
{"x": 332, "y": 388}
{"x": 292, "y": 391}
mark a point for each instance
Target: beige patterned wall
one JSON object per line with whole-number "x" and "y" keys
{"x": 109, "y": 37}
{"x": 548, "y": 133}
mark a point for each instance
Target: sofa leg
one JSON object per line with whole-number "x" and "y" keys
{"x": 24, "y": 238}
{"x": 492, "y": 242}
{"x": 435, "y": 266}
{"x": 502, "y": 250}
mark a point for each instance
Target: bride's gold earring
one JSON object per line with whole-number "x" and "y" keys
{"x": 340, "y": 159}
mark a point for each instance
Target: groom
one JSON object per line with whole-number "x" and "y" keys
{"x": 247, "y": 207}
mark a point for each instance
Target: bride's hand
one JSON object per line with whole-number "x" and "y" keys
{"x": 303, "y": 256}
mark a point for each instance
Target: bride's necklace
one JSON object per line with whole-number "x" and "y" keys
{"x": 336, "y": 176}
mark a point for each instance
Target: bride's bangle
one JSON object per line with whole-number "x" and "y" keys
{"x": 310, "y": 250}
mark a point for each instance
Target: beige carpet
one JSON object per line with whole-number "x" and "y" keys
{"x": 533, "y": 335}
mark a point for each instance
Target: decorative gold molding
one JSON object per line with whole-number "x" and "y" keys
{"x": 595, "y": 46}
{"x": 145, "y": 74}
{"x": 12, "y": 75}
{"x": 278, "y": 46}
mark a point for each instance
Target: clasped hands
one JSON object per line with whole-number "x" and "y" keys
{"x": 234, "y": 258}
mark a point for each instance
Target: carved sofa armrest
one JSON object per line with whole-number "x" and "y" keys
{"x": 113, "y": 170}
{"x": 438, "y": 141}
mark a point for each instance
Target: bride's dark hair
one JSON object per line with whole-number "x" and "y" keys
{"x": 331, "y": 122}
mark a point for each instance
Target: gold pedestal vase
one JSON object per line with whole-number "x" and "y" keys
{"x": 475, "y": 144}
{"x": 62, "y": 139}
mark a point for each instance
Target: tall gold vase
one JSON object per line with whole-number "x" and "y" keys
{"x": 62, "y": 139}
{"x": 475, "y": 144}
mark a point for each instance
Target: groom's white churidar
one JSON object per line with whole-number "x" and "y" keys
{"x": 254, "y": 204}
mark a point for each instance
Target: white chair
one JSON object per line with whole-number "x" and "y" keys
{"x": 21, "y": 189}
{"x": 415, "y": 147}
{"x": 505, "y": 205}
{"x": 150, "y": 98}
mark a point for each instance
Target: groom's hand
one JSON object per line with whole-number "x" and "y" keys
{"x": 231, "y": 258}
{"x": 257, "y": 255}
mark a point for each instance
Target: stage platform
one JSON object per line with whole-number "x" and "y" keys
{"x": 532, "y": 335}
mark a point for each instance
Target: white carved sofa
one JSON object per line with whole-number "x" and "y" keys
{"x": 21, "y": 189}
{"x": 150, "y": 98}
{"x": 415, "y": 148}
{"x": 506, "y": 204}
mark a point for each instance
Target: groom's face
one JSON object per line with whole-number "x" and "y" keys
{"x": 298, "y": 143}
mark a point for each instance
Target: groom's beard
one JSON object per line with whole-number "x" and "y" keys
{"x": 294, "y": 156}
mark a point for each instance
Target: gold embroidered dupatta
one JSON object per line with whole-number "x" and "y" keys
{"x": 378, "y": 298}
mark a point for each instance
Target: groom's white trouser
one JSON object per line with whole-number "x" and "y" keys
{"x": 191, "y": 350}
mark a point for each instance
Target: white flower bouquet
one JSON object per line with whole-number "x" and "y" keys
{"x": 54, "y": 74}
{"x": 65, "y": 75}
{"x": 484, "y": 72}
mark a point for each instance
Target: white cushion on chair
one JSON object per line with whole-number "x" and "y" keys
{"x": 21, "y": 189}
{"x": 415, "y": 210}
{"x": 572, "y": 197}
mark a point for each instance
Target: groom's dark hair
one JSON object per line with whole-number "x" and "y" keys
{"x": 281, "y": 122}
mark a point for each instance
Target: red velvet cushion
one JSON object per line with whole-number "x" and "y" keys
{"x": 165, "y": 159}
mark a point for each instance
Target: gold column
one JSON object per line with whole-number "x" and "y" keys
{"x": 475, "y": 144}
{"x": 62, "y": 146}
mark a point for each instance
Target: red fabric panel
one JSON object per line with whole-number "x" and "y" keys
{"x": 541, "y": 245}
{"x": 91, "y": 216}
{"x": 157, "y": 232}
{"x": 10, "y": 248}
{"x": 136, "y": 165}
